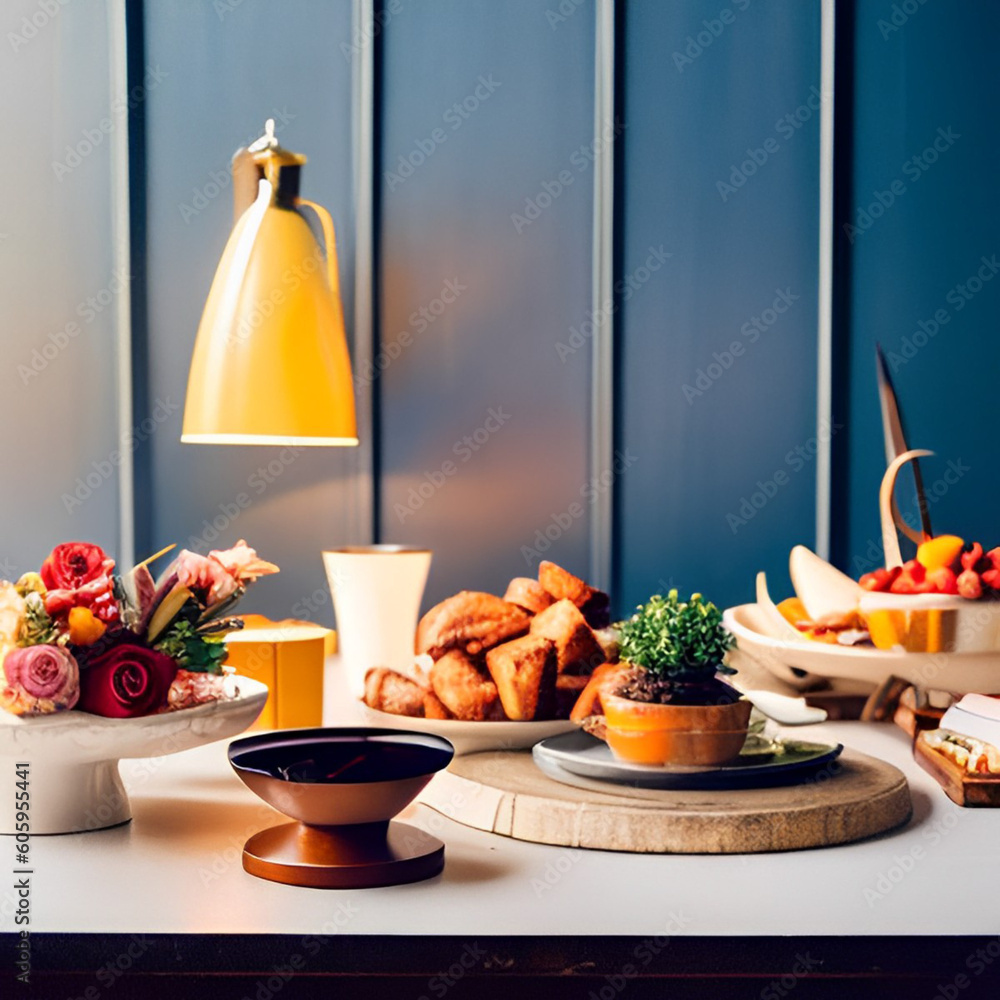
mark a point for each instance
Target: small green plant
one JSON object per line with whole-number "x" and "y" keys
{"x": 670, "y": 638}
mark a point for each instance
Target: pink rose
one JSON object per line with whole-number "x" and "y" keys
{"x": 125, "y": 681}
{"x": 197, "y": 572}
{"x": 39, "y": 680}
{"x": 242, "y": 562}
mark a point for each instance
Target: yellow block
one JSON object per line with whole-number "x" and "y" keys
{"x": 288, "y": 657}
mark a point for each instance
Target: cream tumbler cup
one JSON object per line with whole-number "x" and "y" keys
{"x": 376, "y": 592}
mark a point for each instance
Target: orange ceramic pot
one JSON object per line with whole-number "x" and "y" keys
{"x": 692, "y": 735}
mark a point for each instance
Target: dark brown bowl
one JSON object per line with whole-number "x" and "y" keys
{"x": 339, "y": 777}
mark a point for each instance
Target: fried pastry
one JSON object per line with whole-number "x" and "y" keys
{"x": 466, "y": 692}
{"x": 470, "y": 621}
{"x": 528, "y": 594}
{"x": 563, "y": 585}
{"x": 577, "y": 649}
{"x": 434, "y": 707}
{"x": 525, "y": 674}
{"x": 388, "y": 691}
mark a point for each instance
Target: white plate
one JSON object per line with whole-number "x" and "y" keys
{"x": 472, "y": 737}
{"x": 959, "y": 673}
{"x": 72, "y": 757}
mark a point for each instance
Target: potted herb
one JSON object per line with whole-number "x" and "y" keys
{"x": 670, "y": 706}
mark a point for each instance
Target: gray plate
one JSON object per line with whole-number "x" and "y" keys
{"x": 578, "y": 753}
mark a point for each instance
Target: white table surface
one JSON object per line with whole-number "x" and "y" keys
{"x": 176, "y": 869}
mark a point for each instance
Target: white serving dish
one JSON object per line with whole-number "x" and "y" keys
{"x": 921, "y": 621}
{"x": 958, "y": 673}
{"x": 73, "y": 780}
{"x": 473, "y": 737}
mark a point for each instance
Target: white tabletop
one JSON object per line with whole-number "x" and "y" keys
{"x": 176, "y": 869}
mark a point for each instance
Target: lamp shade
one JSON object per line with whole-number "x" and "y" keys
{"x": 270, "y": 363}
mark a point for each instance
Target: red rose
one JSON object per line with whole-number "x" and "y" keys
{"x": 78, "y": 574}
{"x": 71, "y": 565}
{"x": 126, "y": 681}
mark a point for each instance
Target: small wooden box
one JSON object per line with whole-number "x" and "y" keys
{"x": 288, "y": 657}
{"x": 963, "y": 788}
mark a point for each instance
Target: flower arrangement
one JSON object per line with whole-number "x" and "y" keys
{"x": 77, "y": 635}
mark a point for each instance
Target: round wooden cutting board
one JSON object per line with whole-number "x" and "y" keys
{"x": 503, "y": 792}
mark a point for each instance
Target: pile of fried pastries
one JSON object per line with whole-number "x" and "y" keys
{"x": 524, "y": 657}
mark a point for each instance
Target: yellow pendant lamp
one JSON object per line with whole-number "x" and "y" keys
{"x": 270, "y": 363}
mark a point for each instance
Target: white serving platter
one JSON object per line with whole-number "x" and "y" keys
{"x": 73, "y": 782}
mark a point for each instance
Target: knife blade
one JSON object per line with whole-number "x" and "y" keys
{"x": 895, "y": 444}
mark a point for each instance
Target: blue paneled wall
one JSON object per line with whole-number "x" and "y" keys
{"x": 485, "y": 178}
{"x": 717, "y": 349}
{"x": 921, "y": 236}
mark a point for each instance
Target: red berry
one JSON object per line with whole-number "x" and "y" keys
{"x": 880, "y": 579}
{"x": 943, "y": 580}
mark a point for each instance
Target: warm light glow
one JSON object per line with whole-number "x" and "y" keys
{"x": 270, "y": 439}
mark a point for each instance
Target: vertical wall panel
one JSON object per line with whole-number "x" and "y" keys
{"x": 228, "y": 68}
{"x": 58, "y": 285}
{"x": 723, "y": 436}
{"x": 914, "y": 281}
{"x": 486, "y": 196}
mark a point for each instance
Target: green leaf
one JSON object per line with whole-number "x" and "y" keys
{"x": 668, "y": 637}
{"x": 192, "y": 651}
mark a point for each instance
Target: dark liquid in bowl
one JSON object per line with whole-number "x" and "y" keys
{"x": 345, "y": 761}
